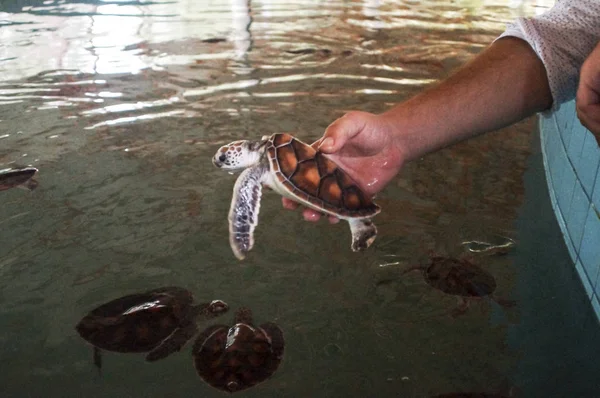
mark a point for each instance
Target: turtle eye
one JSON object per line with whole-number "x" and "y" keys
{"x": 222, "y": 158}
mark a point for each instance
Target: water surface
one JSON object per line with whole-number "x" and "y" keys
{"x": 121, "y": 104}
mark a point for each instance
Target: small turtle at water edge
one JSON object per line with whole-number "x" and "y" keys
{"x": 296, "y": 171}
{"x": 461, "y": 278}
{"x": 159, "y": 321}
{"x": 21, "y": 177}
{"x": 505, "y": 390}
{"x": 469, "y": 395}
{"x": 238, "y": 357}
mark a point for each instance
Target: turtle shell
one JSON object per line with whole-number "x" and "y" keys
{"x": 313, "y": 178}
{"x": 459, "y": 277}
{"x": 238, "y": 357}
{"x": 11, "y": 178}
{"x": 137, "y": 322}
{"x": 469, "y": 395}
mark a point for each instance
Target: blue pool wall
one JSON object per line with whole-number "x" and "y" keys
{"x": 572, "y": 161}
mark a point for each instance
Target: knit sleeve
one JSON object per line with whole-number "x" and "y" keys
{"x": 562, "y": 37}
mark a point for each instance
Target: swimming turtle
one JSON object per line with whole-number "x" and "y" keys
{"x": 299, "y": 172}
{"x": 469, "y": 395}
{"x": 18, "y": 177}
{"x": 238, "y": 357}
{"x": 460, "y": 277}
{"x": 159, "y": 321}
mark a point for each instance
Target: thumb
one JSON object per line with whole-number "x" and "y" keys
{"x": 342, "y": 130}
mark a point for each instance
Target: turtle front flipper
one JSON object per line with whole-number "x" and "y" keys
{"x": 243, "y": 214}
{"x": 364, "y": 233}
{"x": 98, "y": 359}
{"x": 173, "y": 343}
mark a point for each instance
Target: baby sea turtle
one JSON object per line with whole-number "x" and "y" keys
{"x": 18, "y": 177}
{"x": 461, "y": 278}
{"x": 159, "y": 321}
{"x": 469, "y": 395}
{"x": 238, "y": 357}
{"x": 299, "y": 172}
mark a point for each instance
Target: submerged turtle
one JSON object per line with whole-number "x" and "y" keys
{"x": 18, "y": 177}
{"x": 469, "y": 395}
{"x": 462, "y": 278}
{"x": 159, "y": 321}
{"x": 238, "y": 357}
{"x": 299, "y": 172}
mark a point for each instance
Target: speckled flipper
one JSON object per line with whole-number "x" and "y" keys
{"x": 243, "y": 214}
{"x": 173, "y": 343}
{"x": 364, "y": 233}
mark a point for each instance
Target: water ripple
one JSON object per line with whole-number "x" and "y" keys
{"x": 121, "y": 105}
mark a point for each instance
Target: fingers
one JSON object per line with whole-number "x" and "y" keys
{"x": 341, "y": 130}
{"x": 587, "y": 96}
{"x": 308, "y": 214}
{"x": 317, "y": 143}
{"x": 589, "y": 115}
{"x": 289, "y": 204}
{"x": 314, "y": 216}
{"x": 311, "y": 215}
{"x": 333, "y": 220}
{"x": 588, "y": 99}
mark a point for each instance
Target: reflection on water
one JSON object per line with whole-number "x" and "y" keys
{"x": 121, "y": 105}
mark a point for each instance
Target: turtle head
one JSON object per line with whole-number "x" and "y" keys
{"x": 218, "y": 307}
{"x": 243, "y": 315}
{"x": 211, "y": 310}
{"x": 239, "y": 154}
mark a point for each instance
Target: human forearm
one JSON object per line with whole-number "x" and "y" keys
{"x": 504, "y": 84}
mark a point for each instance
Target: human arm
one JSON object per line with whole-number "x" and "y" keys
{"x": 559, "y": 41}
{"x": 503, "y": 84}
{"x": 588, "y": 93}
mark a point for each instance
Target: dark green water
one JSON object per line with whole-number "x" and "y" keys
{"x": 121, "y": 106}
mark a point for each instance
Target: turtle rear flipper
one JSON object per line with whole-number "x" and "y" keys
{"x": 276, "y": 335}
{"x": 243, "y": 214}
{"x": 173, "y": 343}
{"x": 30, "y": 185}
{"x": 364, "y": 233}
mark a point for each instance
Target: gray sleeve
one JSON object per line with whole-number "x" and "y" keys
{"x": 562, "y": 37}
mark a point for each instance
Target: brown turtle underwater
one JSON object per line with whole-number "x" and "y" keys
{"x": 462, "y": 278}
{"x": 18, "y": 177}
{"x": 238, "y": 357}
{"x": 296, "y": 171}
{"x": 159, "y": 321}
{"x": 469, "y": 395}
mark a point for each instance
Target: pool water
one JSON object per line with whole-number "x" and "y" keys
{"x": 121, "y": 105}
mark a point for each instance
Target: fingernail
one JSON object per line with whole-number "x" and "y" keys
{"x": 327, "y": 142}
{"x": 311, "y": 216}
{"x": 289, "y": 204}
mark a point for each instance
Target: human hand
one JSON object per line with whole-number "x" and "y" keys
{"x": 363, "y": 145}
{"x": 588, "y": 93}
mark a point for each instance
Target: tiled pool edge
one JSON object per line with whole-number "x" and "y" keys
{"x": 571, "y": 161}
